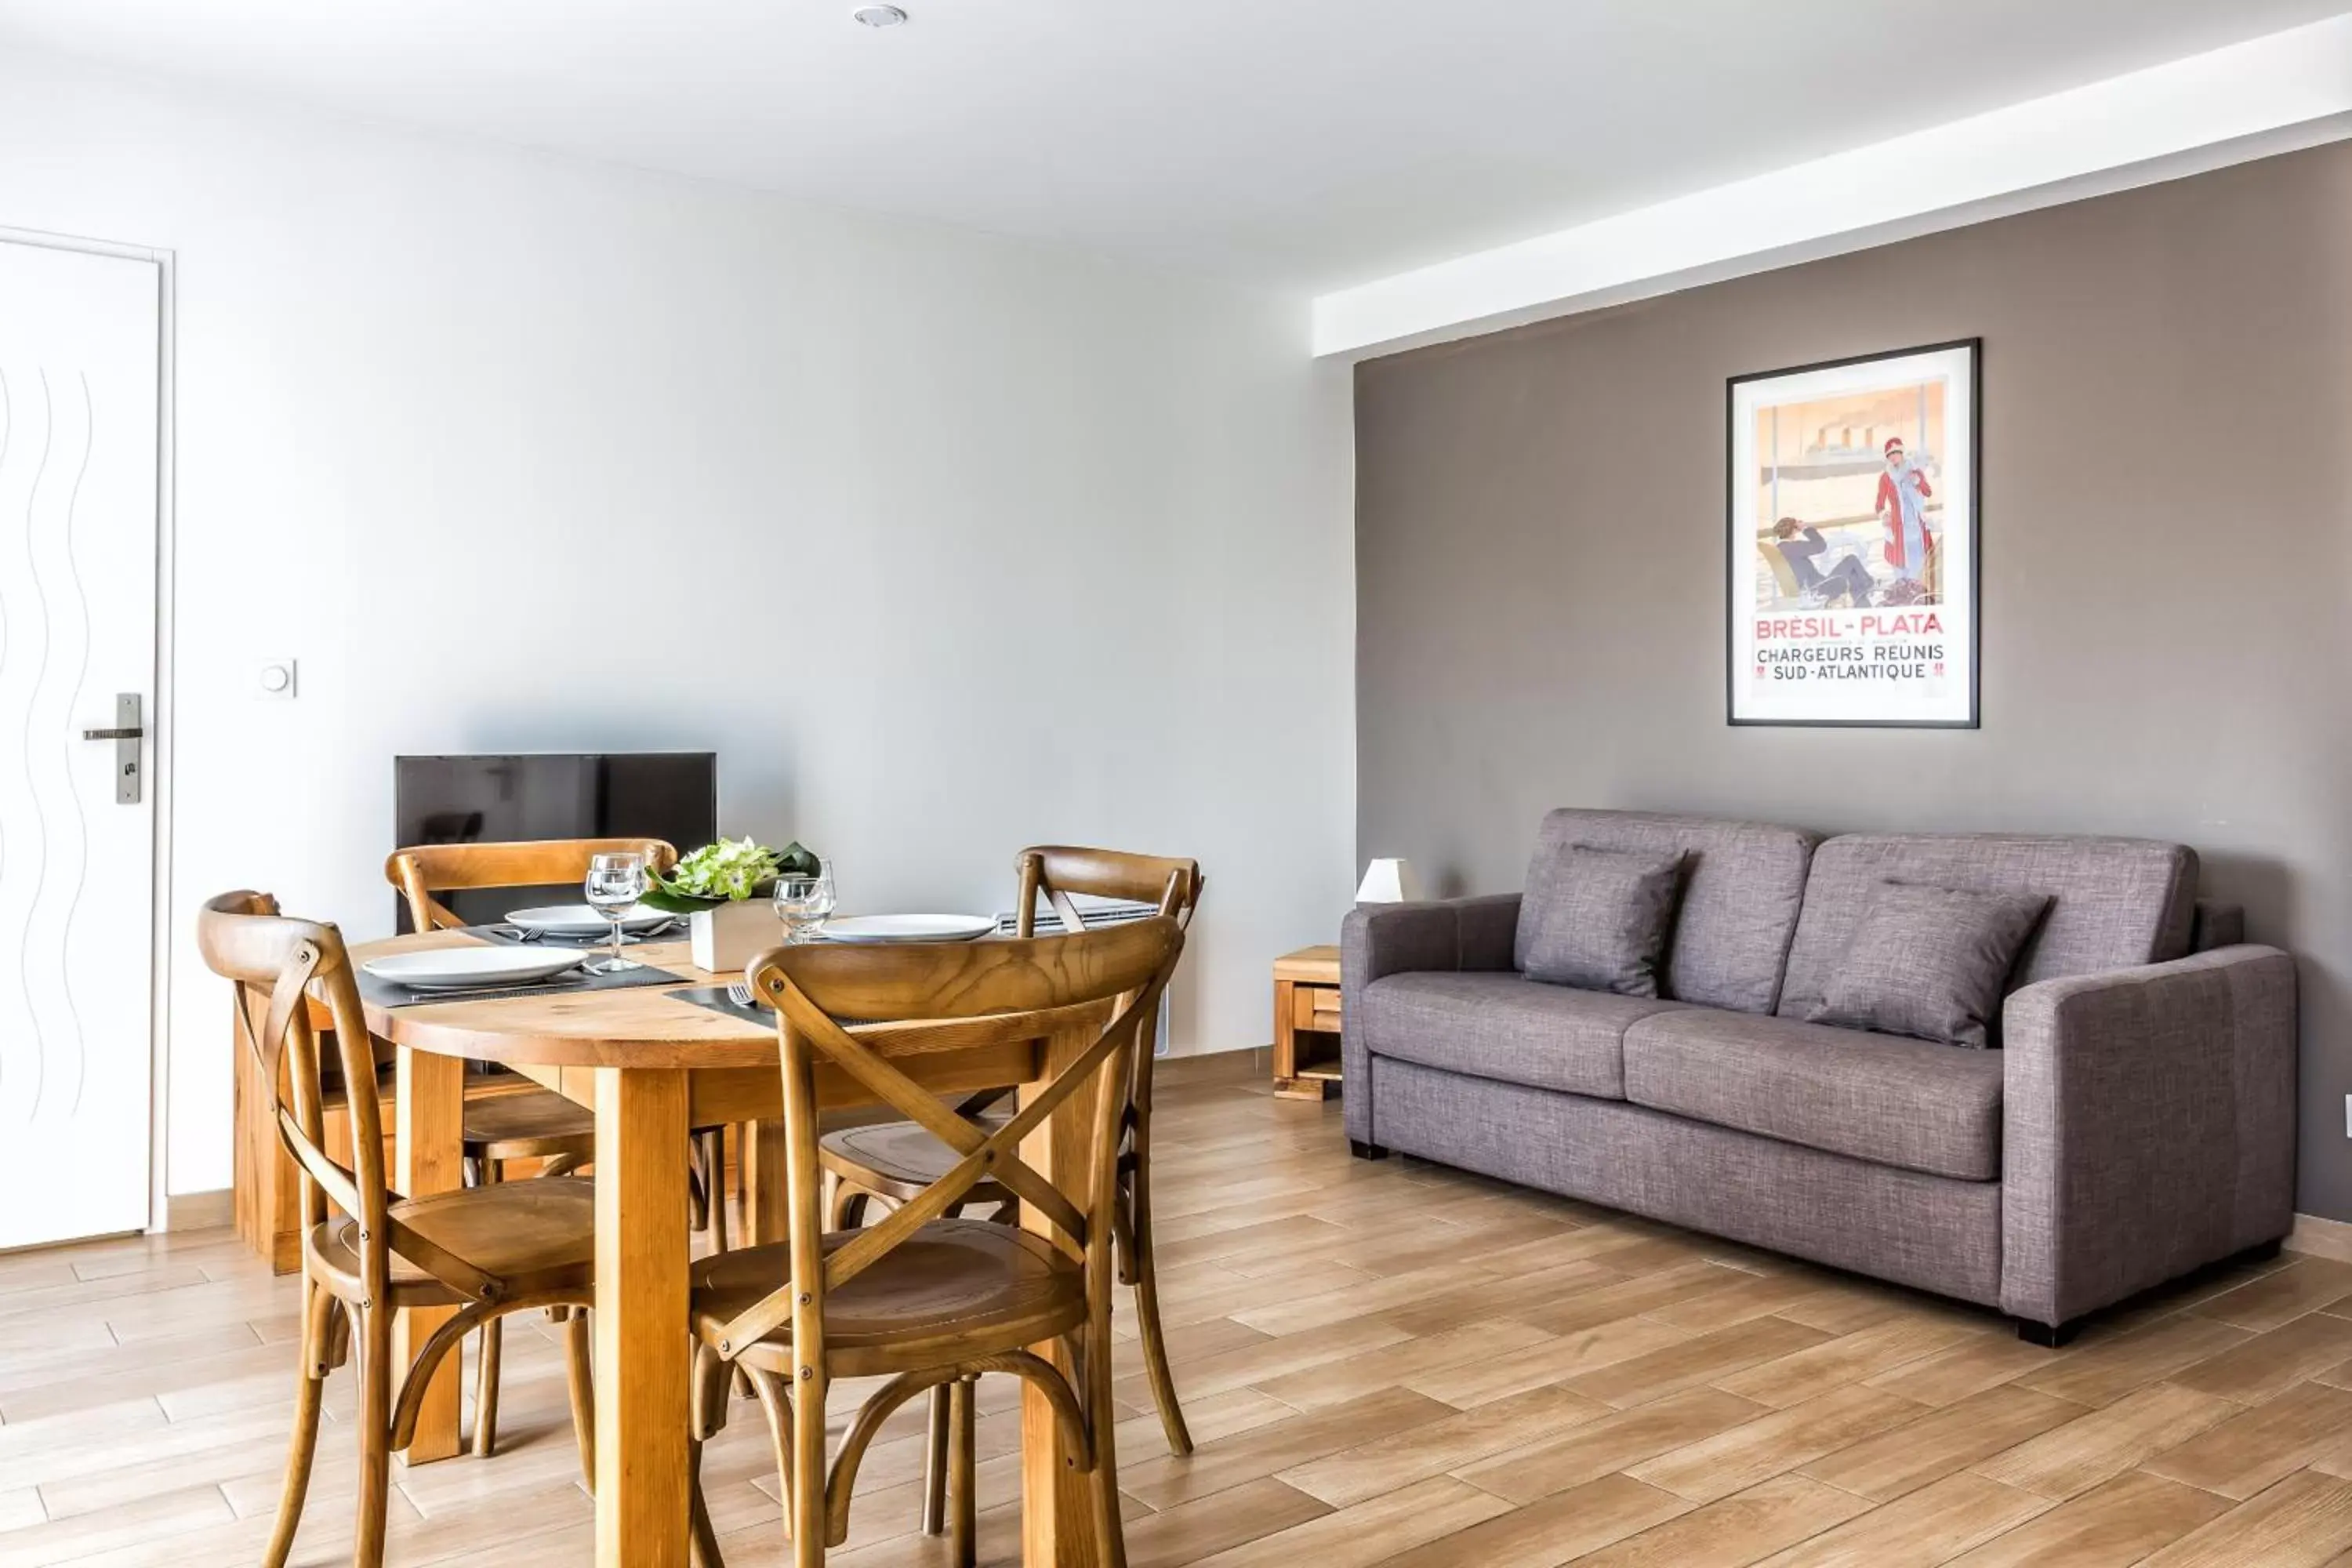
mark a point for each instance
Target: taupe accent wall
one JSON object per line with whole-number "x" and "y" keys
{"x": 2166, "y": 504}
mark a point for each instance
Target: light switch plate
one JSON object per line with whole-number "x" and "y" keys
{"x": 275, "y": 678}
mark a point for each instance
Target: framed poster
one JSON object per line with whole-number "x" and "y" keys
{"x": 1852, "y": 541}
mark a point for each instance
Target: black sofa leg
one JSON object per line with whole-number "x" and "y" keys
{"x": 2051, "y": 1336}
{"x": 1366, "y": 1150}
{"x": 2048, "y": 1336}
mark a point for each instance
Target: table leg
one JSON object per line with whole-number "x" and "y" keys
{"x": 640, "y": 1322}
{"x": 1057, "y": 1516}
{"x": 1286, "y": 1035}
{"x": 763, "y": 1183}
{"x": 428, "y": 1123}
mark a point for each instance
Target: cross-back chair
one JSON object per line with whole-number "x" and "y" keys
{"x": 422, "y": 871}
{"x": 532, "y": 1123}
{"x": 892, "y": 1162}
{"x": 488, "y": 1251}
{"x": 922, "y": 1298}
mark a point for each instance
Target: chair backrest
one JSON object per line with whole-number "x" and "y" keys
{"x": 1104, "y": 984}
{"x": 1059, "y": 870}
{"x": 275, "y": 963}
{"x": 425, "y": 869}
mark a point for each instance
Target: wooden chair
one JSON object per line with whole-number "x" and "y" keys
{"x": 487, "y": 1251}
{"x": 895, "y": 1162}
{"x": 922, "y": 1299}
{"x": 534, "y": 1123}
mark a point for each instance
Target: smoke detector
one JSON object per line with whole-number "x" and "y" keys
{"x": 879, "y": 15}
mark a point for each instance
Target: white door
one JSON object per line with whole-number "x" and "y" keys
{"x": 79, "y": 342}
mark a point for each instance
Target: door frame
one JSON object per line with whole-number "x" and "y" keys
{"x": 161, "y": 715}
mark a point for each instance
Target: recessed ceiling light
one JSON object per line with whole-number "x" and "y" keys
{"x": 879, "y": 15}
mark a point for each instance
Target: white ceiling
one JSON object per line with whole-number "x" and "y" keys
{"x": 1307, "y": 144}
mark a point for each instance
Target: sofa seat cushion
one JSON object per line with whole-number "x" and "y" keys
{"x": 1908, "y": 1103}
{"x": 1507, "y": 1027}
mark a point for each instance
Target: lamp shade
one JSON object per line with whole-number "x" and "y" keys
{"x": 1389, "y": 882}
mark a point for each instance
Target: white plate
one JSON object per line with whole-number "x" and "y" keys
{"x": 472, "y": 968}
{"x": 909, "y": 928}
{"x": 579, "y": 919}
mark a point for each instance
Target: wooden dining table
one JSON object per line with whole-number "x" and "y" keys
{"x": 651, "y": 1065}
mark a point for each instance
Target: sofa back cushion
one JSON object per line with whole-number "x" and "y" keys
{"x": 1743, "y": 884}
{"x": 2114, "y": 902}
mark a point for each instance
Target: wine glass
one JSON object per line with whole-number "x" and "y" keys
{"x": 614, "y": 884}
{"x": 803, "y": 902}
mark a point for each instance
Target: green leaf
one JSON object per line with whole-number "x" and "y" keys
{"x": 729, "y": 871}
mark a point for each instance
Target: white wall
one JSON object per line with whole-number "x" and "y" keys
{"x": 946, "y": 544}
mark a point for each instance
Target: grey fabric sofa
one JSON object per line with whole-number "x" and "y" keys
{"x": 2136, "y": 1124}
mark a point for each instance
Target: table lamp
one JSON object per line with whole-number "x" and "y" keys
{"x": 1389, "y": 882}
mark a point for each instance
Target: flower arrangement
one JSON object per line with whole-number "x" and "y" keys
{"x": 727, "y": 872}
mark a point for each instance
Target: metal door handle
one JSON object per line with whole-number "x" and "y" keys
{"x": 129, "y": 729}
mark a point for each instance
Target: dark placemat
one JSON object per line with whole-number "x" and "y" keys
{"x": 385, "y": 993}
{"x": 513, "y": 936}
{"x": 714, "y": 997}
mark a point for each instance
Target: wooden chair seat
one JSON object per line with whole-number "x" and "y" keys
{"x": 896, "y": 1159}
{"x": 531, "y": 1124}
{"x": 537, "y": 1124}
{"x": 957, "y": 1289}
{"x": 534, "y": 1237}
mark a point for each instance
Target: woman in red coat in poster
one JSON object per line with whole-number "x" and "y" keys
{"x": 1903, "y": 493}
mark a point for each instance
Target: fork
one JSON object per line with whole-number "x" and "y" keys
{"x": 739, "y": 993}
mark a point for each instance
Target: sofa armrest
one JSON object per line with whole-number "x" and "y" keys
{"x": 2149, "y": 1126}
{"x": 1379, "y": 939}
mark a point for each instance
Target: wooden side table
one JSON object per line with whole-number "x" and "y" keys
{"x": 1306, "y": 1024}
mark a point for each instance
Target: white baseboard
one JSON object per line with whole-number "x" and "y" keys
{"x": 202, "y": 1211}
{"x": 2321, "y": 1237}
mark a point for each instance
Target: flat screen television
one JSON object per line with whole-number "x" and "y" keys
{"x": 672, "y": 795}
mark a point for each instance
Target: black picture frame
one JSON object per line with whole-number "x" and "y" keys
{"x": 1973, "y": 453}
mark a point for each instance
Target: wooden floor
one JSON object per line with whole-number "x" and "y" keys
{"x": 1387, "y": 1363}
